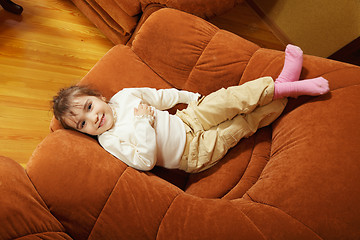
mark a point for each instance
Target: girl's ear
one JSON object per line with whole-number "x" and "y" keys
{"x": 103, "y": 98}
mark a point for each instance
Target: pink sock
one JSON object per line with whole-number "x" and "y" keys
{"x": 313, "y": 87}
{"x": 292, "y": 65}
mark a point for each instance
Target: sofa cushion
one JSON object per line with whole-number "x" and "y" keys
{"x": 190, "y": 53}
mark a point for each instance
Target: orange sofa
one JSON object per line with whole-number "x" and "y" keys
{"x": 296, "y": 179}
{"x": 120, "y": 19}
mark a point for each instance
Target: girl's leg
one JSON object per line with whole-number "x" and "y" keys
{"x": 287, "y": 84}
{"x": 313, "y": 87}
{"x": 206, "y": 148}
{"x": 292, "y": 65}
{"x": 225, "y": 104}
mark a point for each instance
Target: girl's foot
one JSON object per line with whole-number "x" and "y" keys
{"x": 313, "y": 87}
{"x": 292, "y": 65}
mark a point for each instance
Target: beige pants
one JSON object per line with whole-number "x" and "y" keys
{"x": 218, "y": 121}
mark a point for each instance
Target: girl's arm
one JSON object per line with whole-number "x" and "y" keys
{"x": 165, "y": 98}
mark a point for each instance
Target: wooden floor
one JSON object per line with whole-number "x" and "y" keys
{"x": 52, "y": 45}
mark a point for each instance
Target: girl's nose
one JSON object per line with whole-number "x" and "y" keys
{"x": 92, "y": 117}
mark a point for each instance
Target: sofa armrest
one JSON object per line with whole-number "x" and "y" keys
{"x": 118, "y": 19}
{"x": 23, "y": 213}
{"x": 93, "y": 194}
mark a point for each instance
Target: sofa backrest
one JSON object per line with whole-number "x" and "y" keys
{"x": 195, "y": 55}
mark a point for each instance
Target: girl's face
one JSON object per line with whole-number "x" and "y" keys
{"x": 91, "y": 115}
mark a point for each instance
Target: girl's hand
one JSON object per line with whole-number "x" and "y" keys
{"x": 143, "y": 109}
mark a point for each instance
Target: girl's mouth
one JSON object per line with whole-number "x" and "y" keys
{"x": 102, "y": 121}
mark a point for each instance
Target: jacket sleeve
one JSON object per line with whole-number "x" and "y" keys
{"x": 140, "y": 154}
{"x": 165, "y": 98}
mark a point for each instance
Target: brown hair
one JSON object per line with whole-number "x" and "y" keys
{"x": 64, "y": 101}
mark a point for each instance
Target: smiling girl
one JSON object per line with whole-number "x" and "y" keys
{"x": 134, "y": 127}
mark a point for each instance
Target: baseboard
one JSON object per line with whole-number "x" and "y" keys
{"x": 273, "y": 27}
{"x": 350, "y": 53}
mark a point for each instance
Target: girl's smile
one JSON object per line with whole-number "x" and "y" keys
{"x": 102, "y": 121}
{"x": 91, "y": 115}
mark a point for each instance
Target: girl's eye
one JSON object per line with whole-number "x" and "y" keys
{"x": 89, "y": 107}
{"x": 82, "y": 124}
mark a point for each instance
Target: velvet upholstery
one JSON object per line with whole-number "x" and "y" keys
{"x": 23, "y": 213}
{"x": 296, "y": 179}
{"x": 119, "y": 19}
